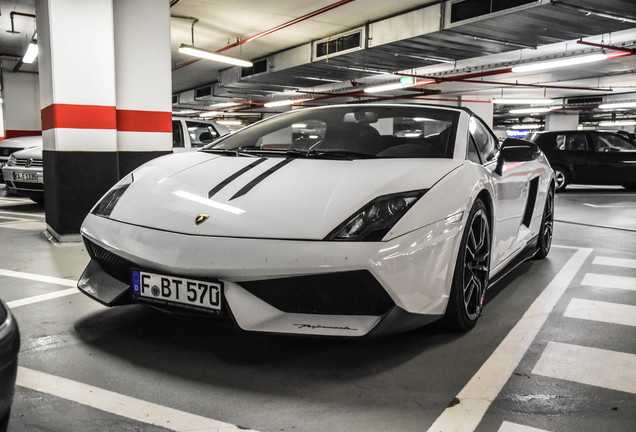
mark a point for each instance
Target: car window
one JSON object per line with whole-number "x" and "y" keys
{"x": 372, "y": 131}
{"x": 177, "y": 134}
{"x": 201, "y": 134}
{"x": 610, "y": 143}
{"x": 571, "y": 142}
{"x": 486, "y": 143}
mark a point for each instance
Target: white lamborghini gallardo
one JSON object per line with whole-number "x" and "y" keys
{"x": 348, "y": 220}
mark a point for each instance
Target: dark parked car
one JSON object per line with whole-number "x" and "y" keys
{"x": 588, "y": 157}
{"x": 9, "y": 346}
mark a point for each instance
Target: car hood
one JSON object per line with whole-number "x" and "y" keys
{"x": 33, "y": 152}
{"x": 22, "y": 142}
{"x": 282, "y": 198}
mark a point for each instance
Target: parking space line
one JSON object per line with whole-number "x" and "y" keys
{"x": 592, "y": 366}
{"x": 39, "y": 278}
{"x": 513, "y": 427}
{"x": 477, "y": 396}
{"x": 618, "y": 262}
{"x": 43, "y": 297}
{"x": 609, "y": 281}
{"x": 593, "y": 310}
{"x": 118, "y": 404}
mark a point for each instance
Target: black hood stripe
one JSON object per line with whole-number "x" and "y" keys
{"x": 233, "y": 177}
{"x": 261, "y": 177}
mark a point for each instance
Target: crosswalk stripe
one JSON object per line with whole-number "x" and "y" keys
{"x": 513, "y": 427}
{"x": 119, "y": 404}
{"x": 609, "y": 281}
{"x": 593, "y": 310}
{"x": 598, "y": 367}
{"x": 618, "y": 262}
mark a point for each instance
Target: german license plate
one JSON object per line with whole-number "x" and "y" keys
{"x": 27, "y": 177}
{"x": 187, "y": 293}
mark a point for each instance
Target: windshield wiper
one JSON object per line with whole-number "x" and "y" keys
{"x": 327, "y": 154}
{"x": 229, "y": 152}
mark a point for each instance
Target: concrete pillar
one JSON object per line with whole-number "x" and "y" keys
{"x": 143, "y": 81}
{"x": 105, "y": 99}
{"x": 562, "y": 121}
{"x": 21, "y": 104}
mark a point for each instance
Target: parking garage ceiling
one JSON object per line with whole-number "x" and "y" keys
{"x": 328, "y": 51}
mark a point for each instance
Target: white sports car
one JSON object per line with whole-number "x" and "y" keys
{"x": 347, "y": 220}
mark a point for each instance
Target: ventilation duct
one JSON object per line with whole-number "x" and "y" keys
{"x": 340, "y": 44}
{"x": 469, "y": 9}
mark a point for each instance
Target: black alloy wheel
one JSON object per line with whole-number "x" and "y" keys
{"x": 547, "y": 227}
{"x": 470, "y": 279}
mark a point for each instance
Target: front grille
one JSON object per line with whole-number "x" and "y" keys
{"x": 346, "y": 293}
{"x": 29, "y": 162}
{"x": 30, "y": 186}
{"x": 113, "y": 265}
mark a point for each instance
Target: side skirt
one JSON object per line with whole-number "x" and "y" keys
{"x": 526, "y": 254}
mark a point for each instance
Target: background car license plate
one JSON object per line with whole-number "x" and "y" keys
{"x": 28, "y": 177}
{"x": 193, "y": 294}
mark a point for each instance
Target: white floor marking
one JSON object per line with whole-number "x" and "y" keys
{"x": 513, "y": 427}
{"x": 483, "y": 388}
{"x": 39, "y": 278}
{"x": 609, "y": 281}
{"x": 27, "y": 225}
{"x": 119, "y": 404}
{"x": 592, "y": 366}
{"x": 618, "y": 262}
{"x": 613, "y": 313}
{"x": 43, "y": 297}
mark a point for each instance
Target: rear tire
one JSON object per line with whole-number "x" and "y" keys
{"x": 472, "y": 267}
{"x": 547, "y": 227}
{"x": 561, "y": 179}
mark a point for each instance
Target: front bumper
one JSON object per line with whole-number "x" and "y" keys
{"x": 413, "y": 271}
{"x": 31, "y": 188}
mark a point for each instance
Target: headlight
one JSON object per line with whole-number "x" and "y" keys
{"x": 11, "y": 161}
{"x": 376, "y": 218}
{"x": 106, "y": 205}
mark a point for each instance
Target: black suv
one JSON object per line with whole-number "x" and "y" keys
{"x": 588, "y": 157}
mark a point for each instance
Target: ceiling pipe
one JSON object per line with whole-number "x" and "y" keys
{"x": 632, "y": 51}
{"x": 12, "y": 14}
{"x": 273, "y": 29}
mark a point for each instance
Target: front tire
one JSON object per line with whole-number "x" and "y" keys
{"x": 472, "y": 267}
{"x": 547, "y": 227}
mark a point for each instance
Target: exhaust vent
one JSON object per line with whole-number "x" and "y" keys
{"x": 469, "y": 9}
{"x": 590, "y": 100}
{"x": 202, "y": 92}
{"x": 339, "y": 44}
{"x": 175, "y": 99}
{"x": 260, "y": 66}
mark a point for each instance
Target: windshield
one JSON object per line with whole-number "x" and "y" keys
{"x": 370, "y": 131}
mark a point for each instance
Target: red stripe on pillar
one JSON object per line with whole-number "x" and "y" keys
{"x": 79, "y": 117}
{"x": 144, "y": 121}
{"x": 13, "y": 133}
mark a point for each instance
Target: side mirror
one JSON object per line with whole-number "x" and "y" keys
{"x": 516, "y": 150}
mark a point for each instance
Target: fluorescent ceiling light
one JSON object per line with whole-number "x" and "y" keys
{"x": 285, "y": 102}
{"x": 211, "y": 113}
{"x": 530, "y": 110}
{"x": 383, "y": 88}
{"x": 527, "y": 126}
{"x": 618, "y": 123}
{"x": 31, "y": 53}
{"x": 512, "y": 101}
{"x": 618, "y": 105}
{"x": 223, "y": 105}
{"x": 209, "y": 55}
{"x": 552, "y": 64}
{"x": 229, "y": 122}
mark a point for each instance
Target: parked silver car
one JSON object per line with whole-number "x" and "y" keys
{"x": 24, "y": 172}
{"x": 12, "y": 145}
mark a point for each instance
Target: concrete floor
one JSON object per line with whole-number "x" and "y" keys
{"x": 555, "y": 349}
